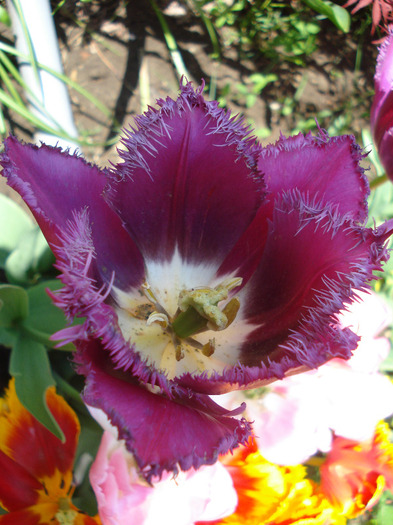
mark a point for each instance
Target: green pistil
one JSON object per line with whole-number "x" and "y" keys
{"x": 199, "y": 310}
{"x": 189, "y": 323}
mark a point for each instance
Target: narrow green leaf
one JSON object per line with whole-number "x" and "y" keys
{"x": 14, "y": 305}
{"x": 6, "y": 80}
{"x": 29, "y": 43}
{"x": 177, "y": 59}
{"x": 74, "y": 85}
{"x": 29, "y": 364}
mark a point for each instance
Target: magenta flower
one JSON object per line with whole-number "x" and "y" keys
{"x": 382, "y": 107}
{"x": 201, "y": 264}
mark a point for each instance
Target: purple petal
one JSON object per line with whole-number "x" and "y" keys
{"x": 313, "y": 262}
{"x": 382, "y": 126}
{"x": 326, "y": 169}
{"x": 383, "y": 79}
{"x": 382, "y": 108}
{"x": 53, "y": 184}
{"x": 163, "y": 434}
{"x": 189, "y": 180}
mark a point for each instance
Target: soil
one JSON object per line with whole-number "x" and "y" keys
{"x": 112, "y": 48}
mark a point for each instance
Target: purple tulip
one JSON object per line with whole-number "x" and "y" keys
{"x": 382, "y": 107}
{"x": 201, "y": 263}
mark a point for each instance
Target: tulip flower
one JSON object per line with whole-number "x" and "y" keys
{"x": 355, "y": 474}
{"x": 268, "y": 493}
{"x": 36, "y": 483}
{"x": 201, "y": 263}
{"x": 382, "y": 107}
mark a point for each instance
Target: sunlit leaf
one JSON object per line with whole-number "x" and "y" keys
{"x": 18, "y": 222}
{"x": 335, "y": 13}
{"x": 29, "y": 364}
{"x": 24, "y": 261}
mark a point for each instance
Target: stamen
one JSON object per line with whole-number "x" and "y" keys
{"x": 208, "y": 348}
{"x": 160, "y": 318}
{"x": 179, "y": 352}
{"x": 148, "y": 293}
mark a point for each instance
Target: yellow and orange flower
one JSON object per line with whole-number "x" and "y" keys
{"x": 355, "y": 474}
{"x": 271, "y": 494}
{"x": 36, "y": 468}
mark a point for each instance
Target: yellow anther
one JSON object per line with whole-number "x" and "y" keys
{"x": 208, "y": 348}
{"x": 148, "y": 292}
{"x": 159, "y": 318}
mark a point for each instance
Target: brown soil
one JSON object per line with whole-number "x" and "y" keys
{"x": 110, "y": 48}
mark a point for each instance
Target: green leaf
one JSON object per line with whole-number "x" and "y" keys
{"x": 336, "y": 14}
{"x": 380, "y": 204}
{"x": 385, "y": 509}
{"x": 45, "y": 318}
{"x": 29, "y": 364}
{"x": 14, "y": 305}
{"x": 22, "y": 265}
{"x": 8, "y": 337}
{"x": 18, "y": 223}
{"x": 5, "y": 17}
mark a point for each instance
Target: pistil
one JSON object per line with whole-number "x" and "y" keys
{"x": 199, "y": 309}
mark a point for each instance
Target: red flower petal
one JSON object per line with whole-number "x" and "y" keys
{"x": 31, "y": 445}
{"x": 18, "y": 488}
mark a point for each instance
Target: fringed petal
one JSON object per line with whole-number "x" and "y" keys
{"x": 322, "y": 167}
{"x": 53, "y": 184}
{"x": 188, "y": 431}
{"x": 313, "y": 263}
{"x": 189, "y": 180}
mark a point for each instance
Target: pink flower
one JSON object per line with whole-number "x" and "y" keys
{"x": 300, "y": 414}
{"x": 124, "y": 498}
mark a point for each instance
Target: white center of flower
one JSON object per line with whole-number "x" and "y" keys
{"x": 194, "y": 337}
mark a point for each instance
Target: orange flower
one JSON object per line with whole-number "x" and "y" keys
{"x": 36, "y": 468}
{"x": 355, "y": 474}
{"x": 270, "y": 494}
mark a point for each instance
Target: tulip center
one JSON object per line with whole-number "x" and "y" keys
{"x": 197, "y": 312}
{"x": 179, "y": 329}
